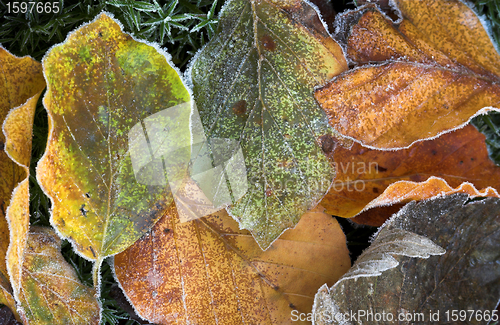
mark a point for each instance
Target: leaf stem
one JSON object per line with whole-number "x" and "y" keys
{"x": 96, "y": 272}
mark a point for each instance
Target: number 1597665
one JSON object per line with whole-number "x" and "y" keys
{"x": 33, "y": 6}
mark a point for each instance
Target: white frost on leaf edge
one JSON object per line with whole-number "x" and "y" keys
{"x": 376, "y": 259}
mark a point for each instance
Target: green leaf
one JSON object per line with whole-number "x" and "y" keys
{"x": 102, "y": 84}
{"x": 253, "y": 83}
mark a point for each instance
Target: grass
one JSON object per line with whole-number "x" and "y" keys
{"x": 182, "y": 27}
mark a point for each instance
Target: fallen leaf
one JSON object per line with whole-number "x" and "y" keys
{"x": 366, "y": 176}
{"x": 18, "y": 129}
{"x": 20, "y": 87}
{"x": 102, "y": 87}
{"x": 50, "y": 291}
{"x": 253, "y": 83}
{"x": 435, "y": 70}
{"x": 462, "y": 274}
{"x": 406, "y": 191}
{"x": 208, "y": 271}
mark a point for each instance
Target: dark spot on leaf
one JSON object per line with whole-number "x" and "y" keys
{"x": 2, "y": 145}
{"x": 434, "y": 152}
{"x": 240, "y": 107}
{"x": 375, "y": 190}
{"x": 461, "y": 162}
{"x": 292, "y": 306}
{"x": 100, "y": 34}
{"x": 92, "y": 250}
{"x": 380, "y": 168}
{"x": 268, "y": 43}
{"x": 83, "y": 211}
{"x": 87, "y": 195}
{"x": 166, "y": 230}
{"x": 328, "y": 143}
{"x": 472, "y": 159}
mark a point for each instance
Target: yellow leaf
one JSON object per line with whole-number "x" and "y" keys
{"x": 21, "y": 84}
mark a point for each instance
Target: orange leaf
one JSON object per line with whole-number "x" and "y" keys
{"x": 20, "y": 86}
{"x": 432, "y": 77}
{"x": 208, "y": 271}
{"x": 365, "y": 175}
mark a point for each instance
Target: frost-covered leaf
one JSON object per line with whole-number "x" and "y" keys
{"x": 254, "y": 83}
{"x": 435, "y": 70}
{"x": 462, "y": 239}
{"x": 50, "y": 291}
{"x": 366, "y": 178}
{"x": 379, "y": 257}
{"x": 405, "y": 191}
{"x": 21, "y": 84}
{"x": 18, "y": 129}
{"x": 208, "y": 271}
{"x": 102, "y": 86}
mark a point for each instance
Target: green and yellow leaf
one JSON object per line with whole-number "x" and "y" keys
{"x": 102, "y": 83}
{"x": 50, "y": 292}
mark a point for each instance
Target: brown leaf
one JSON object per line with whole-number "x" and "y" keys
{"x": 457, "y": 244}
{"x": 207, "y": 270}
{"x": 21, "y": 84}
{"x": 364, "y": 176}
{"x": 432, "y": 77}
